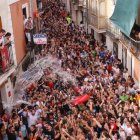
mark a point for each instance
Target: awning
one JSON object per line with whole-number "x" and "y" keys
{"x": 125, "y": 14}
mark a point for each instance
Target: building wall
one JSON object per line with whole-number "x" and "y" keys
{"x": 97, "y": 36}
{"x": 109, "y": 43}
{"x": 129, "y": 62}
{"x": 67, "y": 4}
{"x": 74, "y": 14}
{"x": 136, "y": 71}
{"x": 18, "y": 26}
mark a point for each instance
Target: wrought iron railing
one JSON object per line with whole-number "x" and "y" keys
{"x": 6, "y": 58}
{"x": 98, "y": 22}
{"x": 112, "y": 30}
{"x": 78, "y": 2}
{"x": 130, "y": 43}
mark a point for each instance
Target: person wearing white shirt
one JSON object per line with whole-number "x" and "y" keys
{"x": 125, "y": 74}
{"x": 28, "y": 28}
{"x": 127, "y": 128}
{"x": 32, "y": 118}
{"x": 2, "y": 34}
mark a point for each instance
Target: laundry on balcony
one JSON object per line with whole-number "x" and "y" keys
{"x": 125, "y": 14}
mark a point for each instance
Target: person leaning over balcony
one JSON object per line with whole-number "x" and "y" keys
{"x": 2, "y": 33}
{"x": 7, "y": 42}
{"x": 81, "y": 25}
{"x": 28, "y": 28}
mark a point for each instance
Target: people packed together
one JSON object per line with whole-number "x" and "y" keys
{"x": 6, "y": 53}
{"x": 103, "y": 104}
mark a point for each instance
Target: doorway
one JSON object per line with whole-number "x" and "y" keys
{"x": 124, "y": 57}
{"x": 115, "y": 49}
{"x": 92, "y": 33}
{"x": 24, "y": 11}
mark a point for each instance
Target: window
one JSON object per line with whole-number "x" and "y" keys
{"x": 24, "y": 12}
{"x": 0, "y": 23}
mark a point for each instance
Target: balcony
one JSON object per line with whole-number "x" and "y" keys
{"x": 98, "y": 22}
{"x": 129, "y": 42}
{"x": 97, "y": 15}
{"x": 132, "y": 45}
{"x": 6, "y": 60}
{"x": 113, "y": 31}
{"x": 79, "y": 3}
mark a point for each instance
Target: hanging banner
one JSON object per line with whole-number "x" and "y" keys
{"x": 40, "y": 39}
{"x": 125, "y": 14}
{"x": 5, "y": 58}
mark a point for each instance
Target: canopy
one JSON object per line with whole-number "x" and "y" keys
{"x": 125, "y": 14}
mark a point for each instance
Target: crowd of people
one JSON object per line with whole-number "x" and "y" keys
{"x": 110, "y": 113}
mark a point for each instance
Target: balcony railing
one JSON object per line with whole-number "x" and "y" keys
{"x": 113, "y": 31}
{"x": 6, "y": 59}
{"x": 99, "y": 22}
{"x": 130, "y": 43}
{"x": 97, "y": 14}
{"x": 79, "y": 2}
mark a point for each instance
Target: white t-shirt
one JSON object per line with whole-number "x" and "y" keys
{"x": 25, "y": 20}
{"x": 38, "y": 112}
{"x": 32, "y": 119}
{"x": 128, "y": 130}
{"x": 39, "y": 103}
{"x": 1, "y": 40}
{"x": 125, "y": 75}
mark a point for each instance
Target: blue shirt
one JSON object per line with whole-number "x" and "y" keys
{"x": 23, "y": 130}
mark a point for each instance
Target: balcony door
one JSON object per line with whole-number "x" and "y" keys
{"x": 115, "y": 49}
{"x": 124, "y": 57}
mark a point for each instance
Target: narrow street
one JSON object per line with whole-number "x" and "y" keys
{"x": 84, "y": 93}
